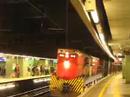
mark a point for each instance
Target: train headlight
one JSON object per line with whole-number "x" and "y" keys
{"x": 67, "y": 64}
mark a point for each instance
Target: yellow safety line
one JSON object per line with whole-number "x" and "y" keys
{"x": 117, "y": 88}
{"x": 117, "y": 92}
{"x": 105, "y": 88}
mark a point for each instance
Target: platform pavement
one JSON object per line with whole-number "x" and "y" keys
{"x": 113, "y": 86}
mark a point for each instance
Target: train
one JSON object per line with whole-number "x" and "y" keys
{"x": 73, "y": 68}
{"x": 70, "y": 64}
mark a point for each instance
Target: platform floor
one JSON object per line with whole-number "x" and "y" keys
{"x": 113, "y": 86}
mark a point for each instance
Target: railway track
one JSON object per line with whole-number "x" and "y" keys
{"x": 34, "y": 93}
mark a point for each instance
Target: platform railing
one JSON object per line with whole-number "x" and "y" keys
{"x": 94, "y": 81}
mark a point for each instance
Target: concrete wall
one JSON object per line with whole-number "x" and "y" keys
{"x": 123, "y": 69}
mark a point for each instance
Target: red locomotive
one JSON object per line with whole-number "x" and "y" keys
{"x": 70, "y": 64}
{"x": 96, "y": 65}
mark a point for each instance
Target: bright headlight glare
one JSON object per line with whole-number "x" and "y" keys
{"x": 67, "y": 64}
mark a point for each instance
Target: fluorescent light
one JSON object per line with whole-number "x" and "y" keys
{"x": 94, "y": 16}
{"x": 102, "y": 41}
{"x": 104, "y": 45}
{"x": 101, "y": 35}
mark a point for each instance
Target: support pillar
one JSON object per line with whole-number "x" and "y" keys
{"x": 123, "y": 69}
{"x": 105, "y": 68}
{"x": 127, "y": 68}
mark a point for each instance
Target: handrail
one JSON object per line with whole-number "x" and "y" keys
{"x": 93, "y": 81}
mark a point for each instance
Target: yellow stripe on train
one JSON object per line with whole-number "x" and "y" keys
{"x": 75, "y": 85}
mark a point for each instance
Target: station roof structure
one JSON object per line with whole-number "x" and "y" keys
{"x": 40, "y": 27}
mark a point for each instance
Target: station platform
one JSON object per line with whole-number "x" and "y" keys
{"x": 112, "y": 86}
{"x": 6, "y": 80}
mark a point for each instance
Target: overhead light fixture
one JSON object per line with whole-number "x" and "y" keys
{"x": 89, "y": 6}
{"x": 104, "y": 44}
{"x": 94, "y": 16}
{"x": 103, "y": 41}
{"x": 101, "y": 35}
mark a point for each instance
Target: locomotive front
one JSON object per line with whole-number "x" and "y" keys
{"x": 70, "y": 67}
{"x": 70, "y": 64}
